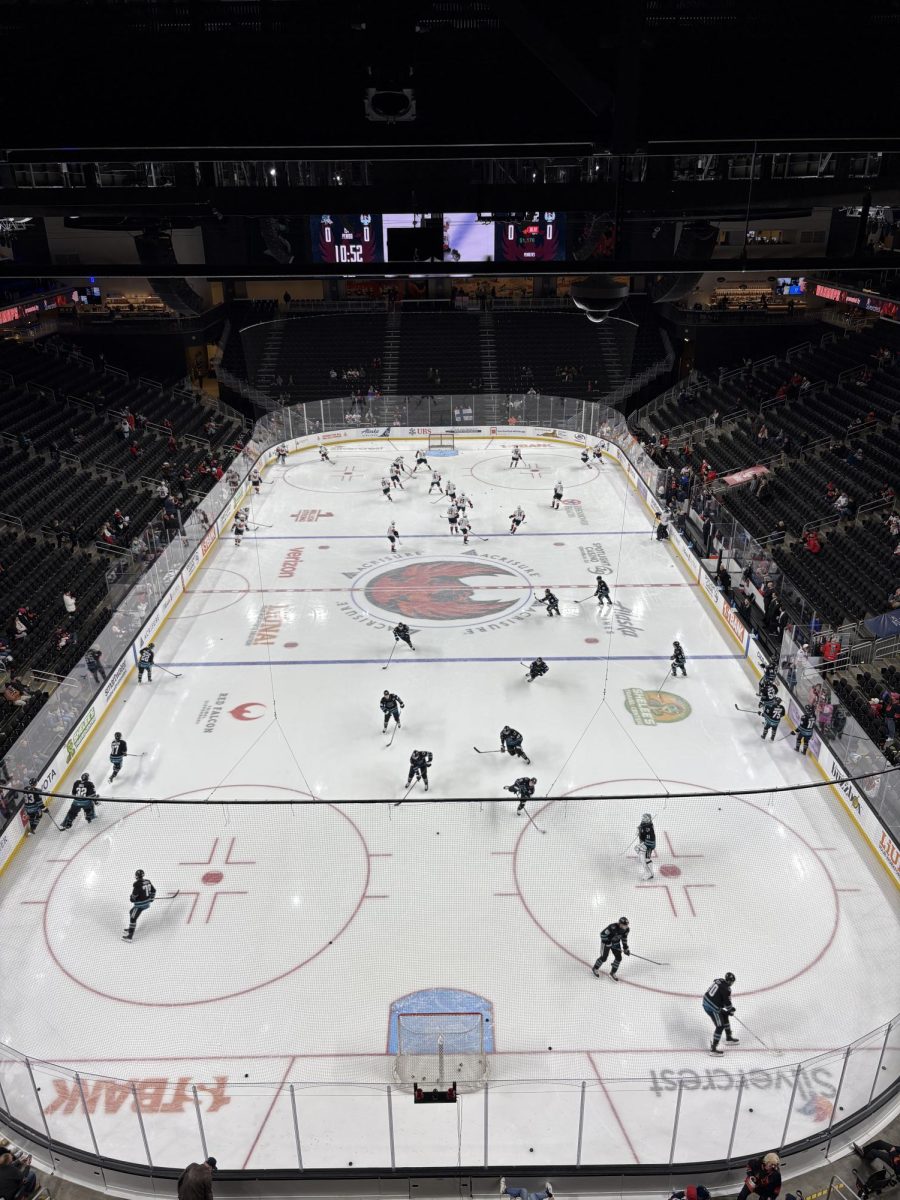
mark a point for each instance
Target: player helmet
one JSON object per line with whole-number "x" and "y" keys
{"x": 32, "y": 781}
{"x": 386, "y": 692}
{"x": 151, "y": 645}
{"x": 678, "y": 644}
{"x": 646, "y": 817}
{"x": 117, "y": 734}
{"x": 532, "y": 780}
{"x": 729, "y": 978}
{"x": 139, "y": 874}
{"x": 84, "y": 775}
{"x": 623, "y": 920}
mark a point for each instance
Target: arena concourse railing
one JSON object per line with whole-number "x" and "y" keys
{"x": 111, "y": 1131}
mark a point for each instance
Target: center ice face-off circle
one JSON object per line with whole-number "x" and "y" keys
{"x": 443, "y": 591}
{"x": 264, "y": 892}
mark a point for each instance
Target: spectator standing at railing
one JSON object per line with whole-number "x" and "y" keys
{"x": 195, "y": 1182}
{"x": 17, "y": 1180}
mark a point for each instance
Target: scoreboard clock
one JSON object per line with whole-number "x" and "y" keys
{"x": 346, "y": 238}
{"x": 536, "y": 237}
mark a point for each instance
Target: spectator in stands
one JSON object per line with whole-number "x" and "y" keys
{"x": 74, "y": 535}
{"x": 134, "y": 450}
{"x": 841, "y": 504}
{"x": 195, "y": 1182}
{"x": 893, "y": 599}
{"x": 831, "y": 648}
{"x": 523, "y": 1193}
{"x": 811, "y": 541}
{"x": 762, "y": 437}
{"x": 716, "y": 418}
{"x": 69, "y": 604}
{"x": 763, "y": 1178}
{"x": 57, "y": 530}
{"x": 723, "y": 580}
{"x": 17, "y": 1180}
{"x": 831, "y": 492}
{"x": 75, "y": 436}
{"x": 804, "y": 385}
{"x": 890, "y": 710}
{"x": 125, "y": 429}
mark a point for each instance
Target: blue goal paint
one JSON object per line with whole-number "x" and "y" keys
{"x": 441, "y": 452}
{"x": 442, "y": 1000}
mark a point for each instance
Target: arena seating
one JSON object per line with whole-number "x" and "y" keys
{"x": 447, "y": 342}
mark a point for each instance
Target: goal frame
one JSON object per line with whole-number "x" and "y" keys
{"x": 440, "y": 439}
{"x": 441, "y": 1065}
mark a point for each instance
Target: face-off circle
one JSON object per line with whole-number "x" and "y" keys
{"x": 345, "y": 473}
{"x": 706, "y": 880}
{"x": 443, "y": 591}
{"x": 260, "y": 895}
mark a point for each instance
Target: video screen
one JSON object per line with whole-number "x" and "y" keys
{"x": 464, "y": 237}
{"x": 790, "y": 285}
{"x": 537, "y": 237}
{"x": 346, "y": 238}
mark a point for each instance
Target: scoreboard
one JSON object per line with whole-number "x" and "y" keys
{"x": 536, "y": 237}
{"x": 346, "y": 238}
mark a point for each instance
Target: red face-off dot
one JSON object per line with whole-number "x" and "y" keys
{"x": 212, "y": 877}
{"x": 290, "y": 645}
{"x": 559, "y": 543}
{"x": 592, "y": 641}
{"x": 669, "y": 869}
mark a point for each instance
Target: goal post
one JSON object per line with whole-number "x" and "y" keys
{"x": 441, "y": 439}
{"x": 439, "y": 1049}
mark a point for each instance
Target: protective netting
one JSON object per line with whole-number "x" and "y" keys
{"x": 440, "y": 1048}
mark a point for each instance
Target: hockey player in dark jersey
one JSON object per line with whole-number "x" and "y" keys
{"x": 678, "y": 659}
{"x": 390, "y": 706}
{"x": 557, "y": 494}
{"x": 551, "y": 601}
{"x": 84, "y": 799}
{"x": 117, "y": 752}
{"x": 537, "y": 669}
{"x": 602, "y": 592}
{"x": 419, "y": 762}
{"x": 585, "y": 457}
{"x": 511, "y": 742}
{"x": 647, "y": 843}
{"x": 767, "y": 692}
{"x": 718, "y": 1007}
{"x": 34, "y": 805}
{"x": 613, "y": 940}
{"x": 145, "y": 662}
{"x": 773, "y": 711}
{"x": 143, "y": 893}
{"x": 805, "y": 729}
{"x": 524, "y": 789}
{"x": 401, "y": 634}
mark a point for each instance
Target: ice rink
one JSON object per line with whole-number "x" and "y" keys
{"x": 299, "y": 932}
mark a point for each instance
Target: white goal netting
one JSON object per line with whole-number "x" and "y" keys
{"x": 436, "y": 440}
{"x": 440, "y": 1049}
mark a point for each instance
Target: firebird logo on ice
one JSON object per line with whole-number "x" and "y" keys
{"x": 443, "y": 591}
{"x": 243, "y": 711}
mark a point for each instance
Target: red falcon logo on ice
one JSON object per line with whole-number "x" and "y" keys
{"x": 440, "y": 591}
{"x": 242, "y": 711}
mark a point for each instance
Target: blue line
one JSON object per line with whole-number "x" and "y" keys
{"x": 363, "y": 662}
{"x": 364, "y": 537}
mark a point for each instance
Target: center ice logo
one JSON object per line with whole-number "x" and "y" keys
{"x": 655, "y": 708}
{"x": 443, "y": 591}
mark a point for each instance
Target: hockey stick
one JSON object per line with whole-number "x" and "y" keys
{"x": 397, "y": 803}
{"x": 260, "y": 525}
{"x": 174, "y": 674}
{"x": 390, "y": 656}
{"x": 532, "y": 820}
{"x": 393, "y": 735}
{"x": 170, "y": 897}
{"x": 48, "y": 813}
{"x": 477, "y": 751}
{"x": 764, "y": 1045}
{"x": 592, "y": 596}
{"x": 666, "y": 676}
{"x": 752, "y": 711}
{"x": 650, "y": 960}
{"x": 141, "y": 755}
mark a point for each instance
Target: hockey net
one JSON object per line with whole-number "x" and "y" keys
{"x": 438, "y": 439}
{"x": 440, "y": 1048}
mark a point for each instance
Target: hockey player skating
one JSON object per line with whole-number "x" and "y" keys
{"x": 767, "y": 691}
{"x": 401, "y": 634}
{"x": 773, "y": 711}
{"x": 465, "y": 528}
{"x": 516, "y": 456}
{"x": 421, "y": 460}
{"x": 551, "y": 601}
{"x": 585, "y": 458}
{"x": 143, "y": 893}
{"x": 390, "y": 706}
{"x": 396, "y": 467}
{"x": 84, "y": 800}
{"x": 613, "y": 940}
{"x": 34, "y": 805}
{"x": 597, "y": 454}
{"x": 511, "y": 742}
{"x": 602, "y": 592}
{"x": 805, "y": 729}
{"x": 393, "y": 537}
{"x": 463, "y": 502}
{"x": 255, "y": 480}
{"x": 678, "y": 660}
{"x": 557, "y": 494}
{"x": 524, "y": 789}
{"x": 239, "y": 528}
{"x": 647, "y": 843}
{"x": 452, "y": 517}
{"x": 323, "y": 454}
{"x": 516, "y": 518}
{"x": 435, "y": 482}
{"x": 450, "y": 491}
{"x": 145, "y": 662}
{"x": 386, "y": 488}
{"x": 281, "y": 455}
{"x": 117, "y": 752}
{"x": 537, "y": 669}
{"x": 419, "y": 762}
{"x": 718, "y": 1007}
